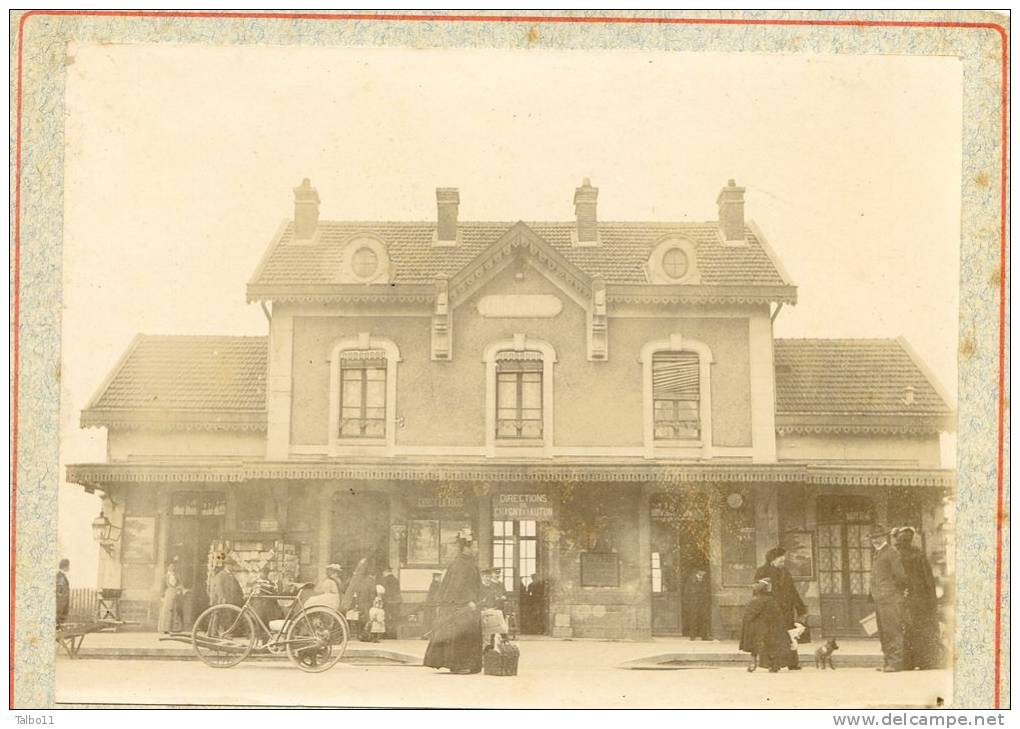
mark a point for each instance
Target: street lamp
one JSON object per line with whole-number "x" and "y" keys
{"x": 104, "y": 532}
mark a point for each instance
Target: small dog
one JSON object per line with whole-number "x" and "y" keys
{"x": 823, "y": 656}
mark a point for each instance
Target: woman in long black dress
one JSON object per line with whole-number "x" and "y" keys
{"x": 922, "y": 646}
{"x": 456, "y": 641}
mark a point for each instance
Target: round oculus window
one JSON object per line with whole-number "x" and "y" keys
{"x": 364, "y": 262}
{"x": 675, "y": 263}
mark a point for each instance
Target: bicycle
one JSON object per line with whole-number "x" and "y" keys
{"x": 314, "y": 638}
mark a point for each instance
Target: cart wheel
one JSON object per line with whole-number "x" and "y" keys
{"x": 317, "y": 639}
{"x": 223, "y": 636}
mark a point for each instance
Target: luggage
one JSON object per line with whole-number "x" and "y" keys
{"x": 493, "y": 623}
{"x": 501, "y": 660}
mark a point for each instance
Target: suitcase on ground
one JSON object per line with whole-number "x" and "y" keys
{"x": 501, "y": 661}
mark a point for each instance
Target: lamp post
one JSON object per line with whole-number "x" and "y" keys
{"x": 105, "y": 533}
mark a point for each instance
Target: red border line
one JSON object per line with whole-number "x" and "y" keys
{"x": 16, "y": 314}
{"x": 1003, "y": 271}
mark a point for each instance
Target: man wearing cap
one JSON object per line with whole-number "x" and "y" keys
{"x": 888, "y": 585}
{"x": 784, "y": 591}
{"x": 224, "y": 587}
{"x": 391, "y": 601}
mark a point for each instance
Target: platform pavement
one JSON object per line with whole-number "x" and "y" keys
{"x": 662, "y": 652}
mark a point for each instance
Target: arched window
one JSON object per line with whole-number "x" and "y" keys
{"x": 363, "y": 391}
{"x": 519, "y": 402}
{"x": 677, "y": 397}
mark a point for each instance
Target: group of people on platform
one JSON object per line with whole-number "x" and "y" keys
{"x": 369, "y": 599}
{"x": 902, "y": 590}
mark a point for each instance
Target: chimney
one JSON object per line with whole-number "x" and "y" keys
{"x": 306, "y": 210}
{"x": 447, "y": 202}
{"x": 731, "y": 212}
{"x": 585, "y": 199}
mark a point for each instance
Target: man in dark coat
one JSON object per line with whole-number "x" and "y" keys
{"x": 696, "y": 602}
{"x": 921, "y": 644}
{"x": 63, "y": 591}
{"x": 784, "y": 591}
{"x": 457, "y": 635}
{"x": 888, "y": 585}
{"x": 391, "y": 601}
{"x": 224, "y": 589}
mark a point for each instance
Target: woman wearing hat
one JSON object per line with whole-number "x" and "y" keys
{"x": 921, "y": 643}
{"x": 784, "y": 591}
{"x": 456, "y": 641}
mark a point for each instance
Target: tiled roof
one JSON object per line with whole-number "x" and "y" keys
{"x": 619, "y": 259}
{"x": 853, "y": 377}
{"x": 185, "y": 378}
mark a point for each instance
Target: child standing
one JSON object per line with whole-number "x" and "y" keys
{"x": 764, "y": 635}
{"x": 376, "y": 620}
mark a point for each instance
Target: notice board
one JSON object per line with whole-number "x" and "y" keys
{"x": 738, "y": 540}
{"x": 600, "y": 569}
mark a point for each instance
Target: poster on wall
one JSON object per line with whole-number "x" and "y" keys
{"x": 422, "y": 542}
{"x": 139, "y": 540}
{"x": 800, "y": 554}
{"x": 448, "y": 538}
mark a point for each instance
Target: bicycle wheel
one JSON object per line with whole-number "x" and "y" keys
{"x": 223, "y": 636}
{"x": 317, "y": 639}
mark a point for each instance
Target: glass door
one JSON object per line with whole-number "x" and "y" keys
{"x": 844, "y": 562}
{"x": 515, "y": 552}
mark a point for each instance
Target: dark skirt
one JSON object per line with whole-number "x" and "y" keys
{"x": 456, "y": 641}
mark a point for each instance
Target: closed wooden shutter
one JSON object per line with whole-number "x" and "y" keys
{"x": 676, "y": 376}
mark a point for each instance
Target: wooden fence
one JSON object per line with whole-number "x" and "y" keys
{"x": 84, "y": 603}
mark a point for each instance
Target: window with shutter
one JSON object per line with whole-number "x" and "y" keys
{"x": 519, "y": 395}
{"x": 676, "y": 395}
{"x": 362, "y": 394}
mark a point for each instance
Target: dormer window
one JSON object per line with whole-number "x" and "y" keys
{"x": 364, "y": 262}
{"x": 673, "y": 261}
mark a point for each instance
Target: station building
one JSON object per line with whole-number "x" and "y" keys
{"x": 603, "y": 403}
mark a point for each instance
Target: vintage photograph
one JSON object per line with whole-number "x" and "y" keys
{"x": 593, "y": 377}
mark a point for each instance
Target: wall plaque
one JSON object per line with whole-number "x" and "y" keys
{"x": 512, "y": 306}
{"x": 600, "y": 569}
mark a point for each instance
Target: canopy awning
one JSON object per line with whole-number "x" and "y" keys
{"x": 95, "y": 475}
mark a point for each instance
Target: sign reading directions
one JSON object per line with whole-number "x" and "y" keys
{"x": 522, "y": 507}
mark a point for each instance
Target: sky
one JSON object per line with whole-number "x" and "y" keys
{"x": 180, "y": 162}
